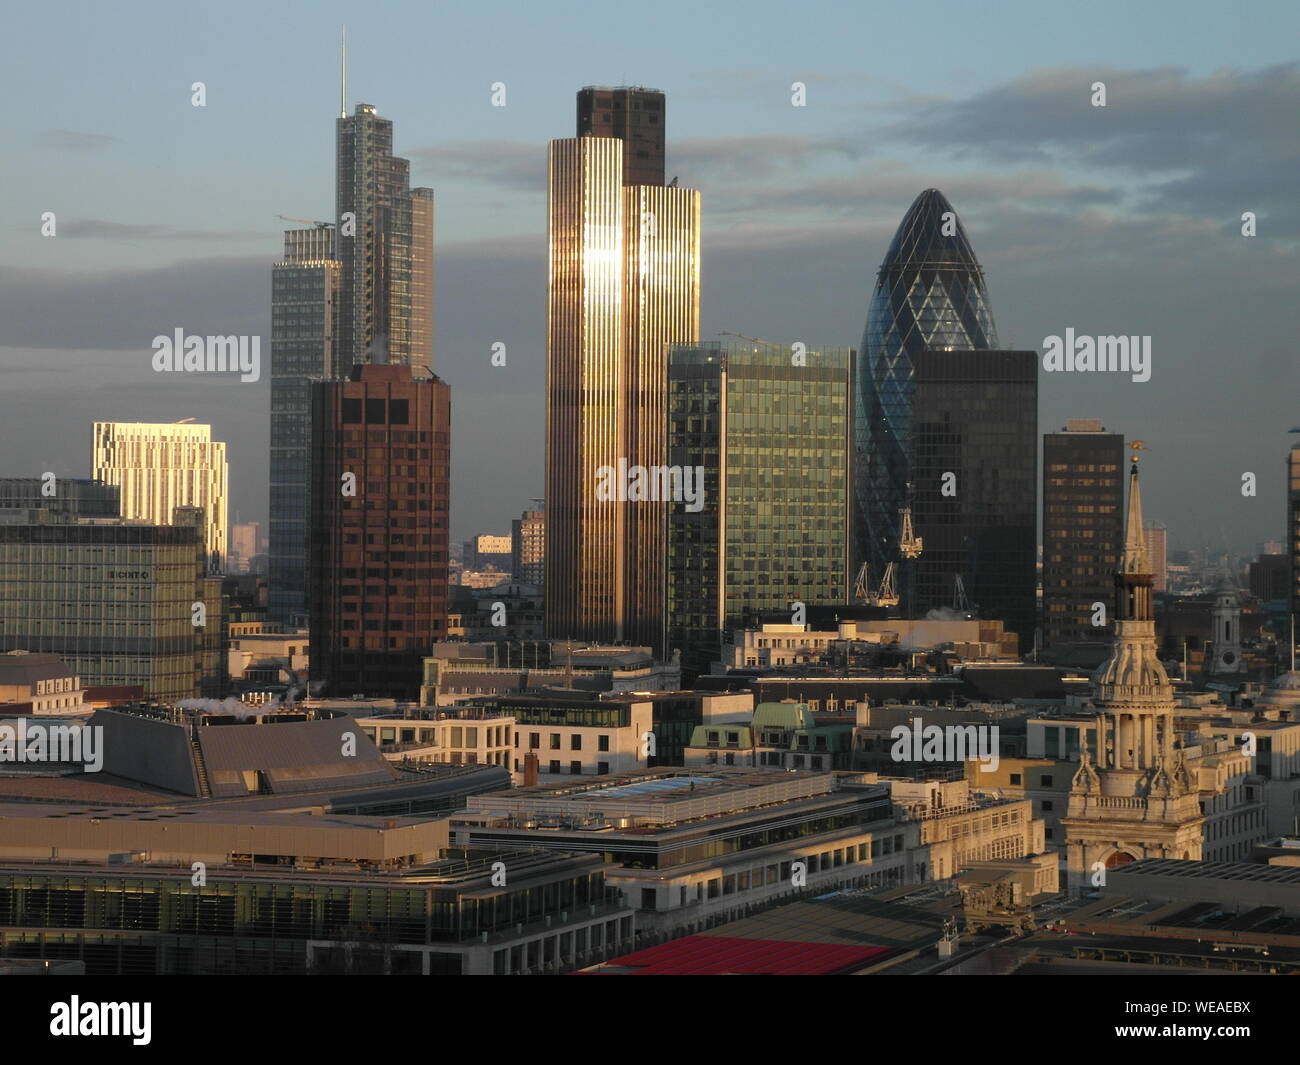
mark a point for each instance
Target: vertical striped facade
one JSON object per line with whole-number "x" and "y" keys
{"x": 159, "y": 467}
{"x": 624, "y": 283}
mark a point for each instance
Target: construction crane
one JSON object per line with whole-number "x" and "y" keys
{"x": 909, "y": 544}
{"x": 887, "y": 593}
{"x": 862, "y": 584}
{"x": 729, "y": 333}
{"x": 308, "y": 221}
{"x": 959, "y": 601}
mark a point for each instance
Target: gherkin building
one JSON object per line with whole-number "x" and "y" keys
{"x": 929, "y": 294}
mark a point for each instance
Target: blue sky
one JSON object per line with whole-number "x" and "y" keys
{"x": 1114, "y": 220}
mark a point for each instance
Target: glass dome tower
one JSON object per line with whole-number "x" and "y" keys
{"x": 929, "y": 294}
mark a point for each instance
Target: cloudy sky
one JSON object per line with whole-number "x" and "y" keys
{"x": 1123, "y": 219}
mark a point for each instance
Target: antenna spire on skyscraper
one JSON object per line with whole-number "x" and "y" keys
{"x": 343, "y": 72}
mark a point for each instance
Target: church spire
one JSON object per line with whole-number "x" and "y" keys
{"x": 1135, "y": 540}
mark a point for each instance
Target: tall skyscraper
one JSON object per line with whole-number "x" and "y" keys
{"x": 304, "y": 310}
{"x": 974, "y": 434}
{"x": 1157, "y": 537}
{"x": 160, "y": 467}
{"x": 929, "y": 295}
{"x": 384, "y": 244}
{"x": 528, "y": 547}
{"x": 1132, "y": 797}
{"x": 1083, "y": 529}
{"x": 381, "y": 447}
{"x": 624, "y": 284}
{"x": 773, "y": 442}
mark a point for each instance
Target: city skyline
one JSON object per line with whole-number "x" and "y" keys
{"x": 849, "y": 532}
{"x": 798, "y": 215}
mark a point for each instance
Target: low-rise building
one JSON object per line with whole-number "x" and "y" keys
{"x": 786, "y": 735}
{"x": 690, "y": 848}
{"x": 40, "y": 685}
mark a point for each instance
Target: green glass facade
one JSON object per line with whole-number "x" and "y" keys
{"x": 771, "y": 428}
{"x": 114, "y": 601}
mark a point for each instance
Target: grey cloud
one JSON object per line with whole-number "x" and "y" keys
{"x": 103, "y": 229}
{"x": 1216, "y": 144}
{"x": 73, "y": 140}
{"x": 127, "y": 309}
{"x": 512, "y": 164}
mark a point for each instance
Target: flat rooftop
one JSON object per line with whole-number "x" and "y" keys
{"x": 663, "y": 795}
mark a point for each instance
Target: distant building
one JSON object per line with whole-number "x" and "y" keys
{"x": 786, "y": 735}
{"x": 245, "y": 545}
{"x": 1157, "y": 537}
{"x": 304, "y": 334}
{"x": 791, "y": 645}
{"x": 528, "y": 547}
{"x": 483, "y": 579}
{"x": 385, "y": 312}
{"x": 159, "y": 467}
{"x": 488, "y": 552}
{"x": 72, "y": 497}
{"x": 506, "y": 611}
{"x": 381, "y": 446}
{"x": 1083, "y": 530}
{"x": 974, "y": 436}
{"x": 1268, "y": 577}
{"x": 456, "y": 672}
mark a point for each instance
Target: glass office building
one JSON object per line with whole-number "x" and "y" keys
{"x": 975, "y": 416}
{"x": 73, "y": 497}
{"x": 773, "y": 439}
{"x": 304, "y": 296}
{"x": 113, "y": 599}
{"x": 929, "y": 294}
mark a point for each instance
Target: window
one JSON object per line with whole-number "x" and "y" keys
{"x": 535, "y": 741}
{"x": 1047, "y": 805}
{"x": 1047, "y": 781}
{"x": 555, "y": 741}
{"x": 602, "y": 743}
{"x": 1015, "y": 778}
{"x": 555, "y": 766}
{"x": 575, "y": 742}
{"x": 602, "y": 768}
{"x": 575, "y": 769}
